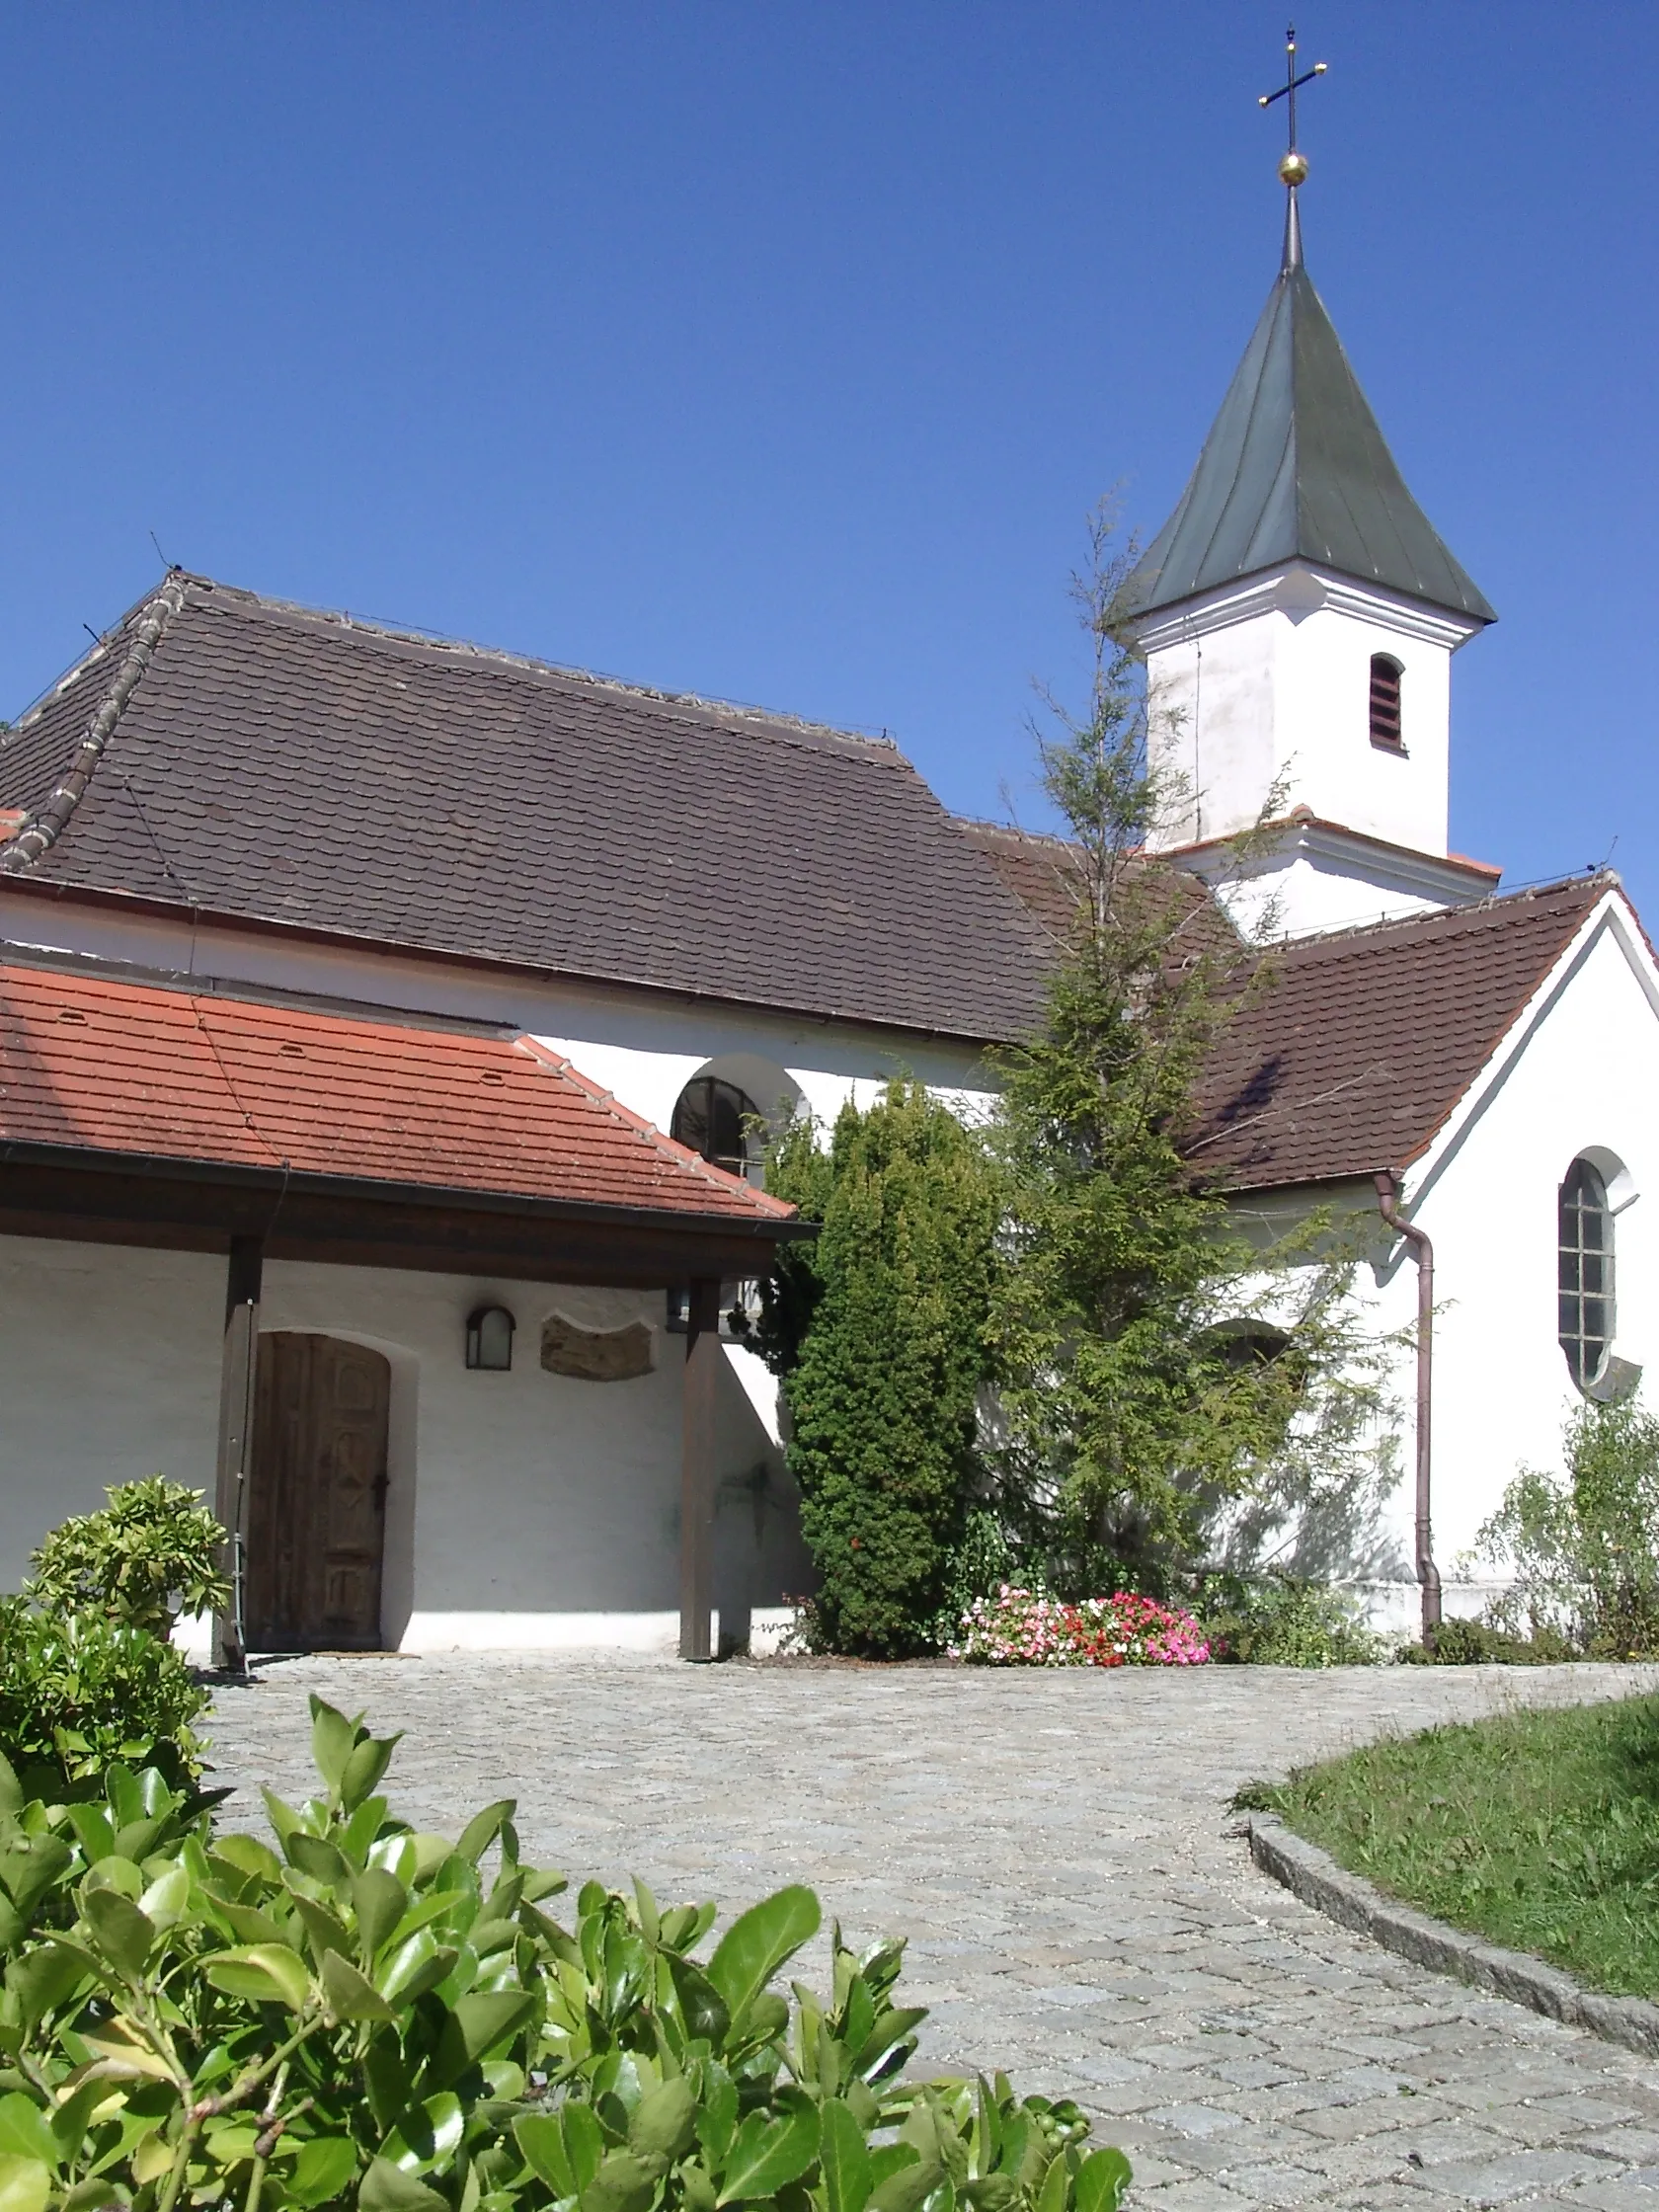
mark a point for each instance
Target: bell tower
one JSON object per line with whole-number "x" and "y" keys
{"x": 1298, "y": 615}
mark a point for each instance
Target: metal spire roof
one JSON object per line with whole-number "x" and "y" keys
{"x": 1295, "y": 467}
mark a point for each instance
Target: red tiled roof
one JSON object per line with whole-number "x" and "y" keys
{"x": 103, "y": 1065}
{"x": 1356, "y": 1051}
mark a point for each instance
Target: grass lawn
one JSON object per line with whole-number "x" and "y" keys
{"x": 1539, "y": 1830}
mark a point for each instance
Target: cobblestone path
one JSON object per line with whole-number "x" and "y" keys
{"x": 1058, "y": 1850}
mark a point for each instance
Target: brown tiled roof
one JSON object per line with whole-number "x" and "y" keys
{"x": 1359, "y": 1045}
{"x": 1044, "y": 873}
{"x": 255, "y": 761}
{"x": 94, "y": 1064}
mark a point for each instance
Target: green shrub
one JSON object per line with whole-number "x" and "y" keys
{"x": 78, "y": 1691}
{"x": 1474, "y": 1643}
{"x": 878, "y": 1330}
{"x": 1281, "y": 1621}
{"x": 366, "y": 2017}
{"x": 153, "y": 1553}
{"x": 1583, "y": 1546}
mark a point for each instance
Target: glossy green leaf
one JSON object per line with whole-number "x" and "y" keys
{"x": 717, "y": 2113}
{"x": 844, "y": 2158}
{"x": 706, "y": 2013}
{"x": 39, "y": 1862}
{"x": 481, "y": 1831}
{"x": 427, "y": 2136}
{"x": 352, "y": 1996}
{"x": 324, "y": 2168}
{"x": 25, "y": 2184}
{"x": 381, "y": 1902}
{"x": 768, "y": 2153}
{"x": 664, "y": 2121}
{"x": 332, "y": 1739}
{"x": 266, "y": 1973}
{"x": 364, "y": 1767}
{"x": 167, "y": 1900}
{"x": 121, "y": 1933}
{"x": 323, "y": 1862}
{"x": 325, "y": 1930}
{"x": 25, "y": 2131}
{"x": 625, "y": 2182}
{"x": 1057, "y": 2182}
{"x": 388, "y": 2187}
{"x": 1102, "y": 2182}
{"x": 11, "y": 1790}
{"x": 758, "y": 1942}
{"x": 902, "y": 2188}
{"x": 413, "y": 1967}
{"x": 479, "y": 2024}
{"x": 249, "y": 1857}
{"x": 583, "y": 2143}
{"x": 542, "y": 2140}
{"x": 41, "y": 1979}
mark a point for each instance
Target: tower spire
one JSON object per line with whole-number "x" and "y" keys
{"x": 1293, "y": 164}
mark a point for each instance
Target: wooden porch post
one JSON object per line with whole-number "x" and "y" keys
{"x": 696, "y": 1480}
{"x": 236, "y": 1421}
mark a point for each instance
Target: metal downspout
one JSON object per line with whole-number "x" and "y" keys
{"x": 1428, "y": 1574}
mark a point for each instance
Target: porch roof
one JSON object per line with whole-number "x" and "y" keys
{"x": 115, "y": 1073}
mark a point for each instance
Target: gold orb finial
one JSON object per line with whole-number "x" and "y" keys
{"x": 1293, "y": 168}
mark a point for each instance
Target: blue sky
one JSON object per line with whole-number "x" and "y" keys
{"x": 779, "y": 352}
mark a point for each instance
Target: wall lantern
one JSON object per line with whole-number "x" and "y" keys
{"x": 489, "y": 1338}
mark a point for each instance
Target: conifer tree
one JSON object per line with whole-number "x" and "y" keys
{"x": 878, "y": 1329}
{"x": 1163, "y": 1376}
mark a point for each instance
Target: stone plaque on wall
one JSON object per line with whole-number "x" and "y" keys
{"x": 596, "y": 1354}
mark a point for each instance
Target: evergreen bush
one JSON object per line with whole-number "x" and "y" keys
{"x": 878, "y": 1330}
{"x": 151, "y": 1554}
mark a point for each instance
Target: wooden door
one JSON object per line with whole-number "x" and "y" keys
{"x": 317, "y": 1504}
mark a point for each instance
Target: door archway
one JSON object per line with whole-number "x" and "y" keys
{"x": 317, "y": 1495}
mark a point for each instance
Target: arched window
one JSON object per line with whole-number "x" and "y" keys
{"x": 1585, "y": 1272}
{"x": 1385, "y": 702}
{"x": 714, "y": 1118}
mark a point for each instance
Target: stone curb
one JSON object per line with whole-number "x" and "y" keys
{"x": 1316, "y": 1877}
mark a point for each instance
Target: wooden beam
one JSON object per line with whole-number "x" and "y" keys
{"x": 193, "y": 1213}
{"x": 696, "y": 1477}
{"x": 239, "y": 1359}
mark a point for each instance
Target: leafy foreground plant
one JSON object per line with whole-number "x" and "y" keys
{"x": 88, "y": 1674}
{"x": 366, "y": 2018}
{"x": 1539, "y": 1830}
{"x": 153, "y": 1553}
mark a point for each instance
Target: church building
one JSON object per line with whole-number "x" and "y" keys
{"x": 382, "y": 1020}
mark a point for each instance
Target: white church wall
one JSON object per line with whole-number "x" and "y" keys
{"x": 1583, "y": 1078}
{"x": 524, "y": 1510}
{"x": 1576, "y": 1076}
{"x": 1270, "y": 682}
{"x": 108, "y": 1373}
{"x": 641, "y": 1046}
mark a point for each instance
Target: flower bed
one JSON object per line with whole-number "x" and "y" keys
{"x": 1020, "y": 1629}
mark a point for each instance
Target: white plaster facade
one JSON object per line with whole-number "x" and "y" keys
{"x": 1576, "y": 1076}
{"x": 1258, "y": 703}
{"x": 524, "y": 1510}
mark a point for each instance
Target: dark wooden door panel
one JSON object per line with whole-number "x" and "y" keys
{"x": 317, "y": 1510}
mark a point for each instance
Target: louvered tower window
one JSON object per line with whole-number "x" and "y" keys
{"x": 1385, "y": 702}
{"x": 1585, "y": 1272}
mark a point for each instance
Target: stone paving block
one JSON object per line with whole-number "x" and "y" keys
{"x": 1500, "y": 2180}
{"x": 1098, "y": 1928}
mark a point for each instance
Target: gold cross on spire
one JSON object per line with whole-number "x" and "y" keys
{"x": 1293, "y": 166}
